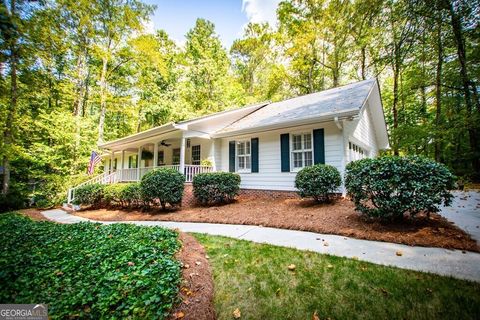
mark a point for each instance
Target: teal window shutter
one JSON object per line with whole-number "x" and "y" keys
{"x": 254, "y": 152}
{"x": 318, "y": 146}
{"x": 231, "y": 156}
{"x": 285, "y": 152}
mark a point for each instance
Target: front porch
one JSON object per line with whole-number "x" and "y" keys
{"x": 188, "y": 155}
{"x": 129, "y": 159}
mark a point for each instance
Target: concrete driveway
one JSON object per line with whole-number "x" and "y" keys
{"x": 465, "y": 212}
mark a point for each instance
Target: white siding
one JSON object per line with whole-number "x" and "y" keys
{"x": 270, "y": 176}
{"x": 362, "y": 133}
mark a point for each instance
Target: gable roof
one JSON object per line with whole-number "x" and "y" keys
{"x": 345, "y": 100}
{"x": 342, "y": 102}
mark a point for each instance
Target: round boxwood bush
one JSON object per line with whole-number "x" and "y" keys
{"x": 90, "y": 194}
{"x": 216, "y": 187}
{"x": 318, "y": 181}
{"x": 390, "y": 187}
{"x": 164, "y": 185}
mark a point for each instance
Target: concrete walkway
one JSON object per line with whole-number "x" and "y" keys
{"x": 436, "y": 260}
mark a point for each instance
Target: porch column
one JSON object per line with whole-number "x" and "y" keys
{"x": 182, "y": 156}
{"x": 155, "y": 154}
{"x": 112, "y": 157}
{"x": 139, "y": 162}
{"x": 122, "y": 158}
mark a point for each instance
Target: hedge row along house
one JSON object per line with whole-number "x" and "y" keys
{"x": 266, "y": 143}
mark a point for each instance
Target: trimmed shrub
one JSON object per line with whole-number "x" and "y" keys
{"x": 318, "y": 181}
{"x": 389, "y": 187}
{"x": 90, "y": 194}
{"x": 113, "y": 193}
{"x": 131, "y": 195}
{"x": 164, "y": 185}
{"x": 216, "y": 187}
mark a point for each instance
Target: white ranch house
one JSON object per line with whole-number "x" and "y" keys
{"x": 265, "y": 143}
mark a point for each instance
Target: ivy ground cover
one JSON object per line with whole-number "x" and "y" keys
{"x": 89, "y": 270}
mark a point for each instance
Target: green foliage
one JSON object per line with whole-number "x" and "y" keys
{"x": 389, "y": 187}
{"x": 132, "y": 195}
{"x": 89, "y": 270}
{"x": 216, "y": 187}
{"x": 318, "y": 181}
{"x": 164, "y": 185}
{"x": 12, "y": 201}
{"x": 90, "y": 194}
{"x": 113, "y": 193}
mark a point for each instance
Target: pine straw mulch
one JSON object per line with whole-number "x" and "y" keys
{"x": 196, "y": 290}
{"x": 338, "y": 218}
{"x": 34, "y": 214}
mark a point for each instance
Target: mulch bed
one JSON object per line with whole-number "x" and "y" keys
{"x": 291, "y": 213}
{"x": 196, "y": 291}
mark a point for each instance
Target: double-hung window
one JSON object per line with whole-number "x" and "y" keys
{"x": 244, "y": 163}
{"x": 196, "y": 155}
{"x": 302, "y": 153}
{"x": 176, "y": 156}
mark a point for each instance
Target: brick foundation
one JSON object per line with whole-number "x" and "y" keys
{"x": 188, "y": 199}
{"x": 275, "y": 194}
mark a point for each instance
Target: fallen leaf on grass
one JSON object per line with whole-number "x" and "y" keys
{"x": 384, "y": 291}
{"x": 291, "y": 267}
{"x": 315, "y": 316}
{"x": 236, "y": 313}
{"x": 130, "y": 263}
{"x": 329, "y": 266}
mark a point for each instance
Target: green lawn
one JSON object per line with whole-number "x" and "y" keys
{"x": 255, "y": 278}
{"x": 89, "y": 270}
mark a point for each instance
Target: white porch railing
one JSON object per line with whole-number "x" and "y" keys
{"x": 131, "y": 175}
{"x": 192, "y": 170}
{"x": 104, "y": 178}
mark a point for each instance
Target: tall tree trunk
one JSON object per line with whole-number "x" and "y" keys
{"x": 103, "y": 100}
{"x": 438, "y": 91}
{"x": 310, "y": 77}
{"x": 462, "y": 58}
{"x": 78, "y": 106}
{"x": 363, "y": 58}
{"x": 395, "y": 108}
{"x": 12, "y": 109}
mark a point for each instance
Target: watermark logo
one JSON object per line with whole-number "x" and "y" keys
{"x": 23, "y": 312}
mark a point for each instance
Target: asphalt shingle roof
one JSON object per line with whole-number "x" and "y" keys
{"x": 326, "y": 102}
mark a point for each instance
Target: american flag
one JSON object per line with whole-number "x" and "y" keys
{"x": 94, "y": 159}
